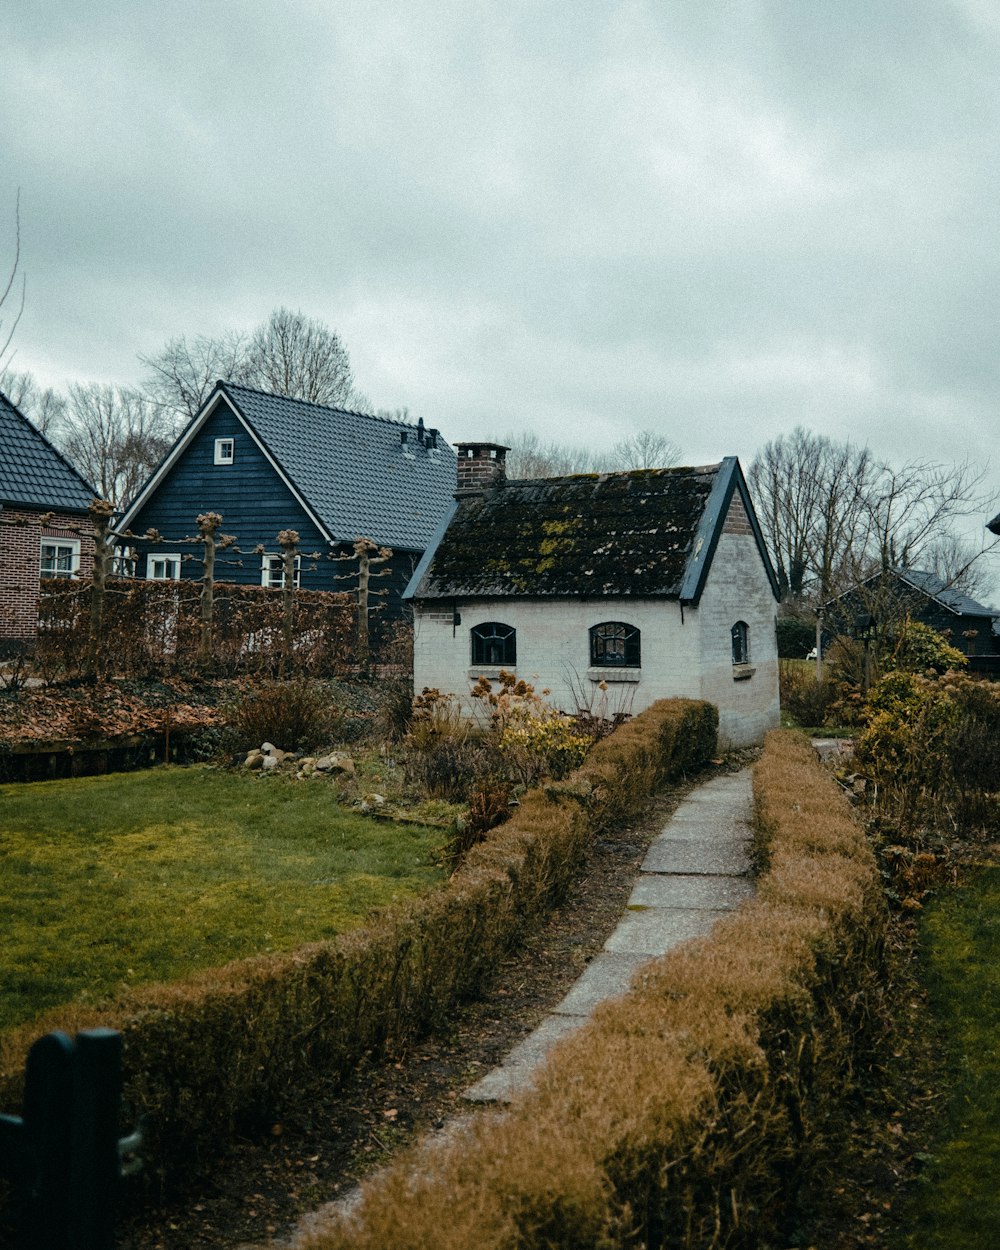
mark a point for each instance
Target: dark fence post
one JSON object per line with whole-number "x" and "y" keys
{"x": 93, "y": 1162}
{"x": 63, "y": 1153}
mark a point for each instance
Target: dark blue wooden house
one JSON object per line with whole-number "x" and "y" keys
{"x": 267, "y": 463}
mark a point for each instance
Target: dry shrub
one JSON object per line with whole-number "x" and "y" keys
{"x": 289, "y": 714}
{"x": 805, "y": 696}
{"x": 689, "y": 1112}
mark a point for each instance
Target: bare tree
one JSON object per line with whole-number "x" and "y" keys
{"x": 291, "y": 354}
{"x": 115, "y": 436}
{"x": 957, "y": 562}
{"x": 288, "y": 354}
{"x": 45, "y": 409}
{"x": 644, "y": 450}
{"x": 529, "y": 457}
{"x": 8, "y": 327}
{"x": 833, "y": 516}
{"x": 910, "y": 507}
{"x": 182, "y": 375}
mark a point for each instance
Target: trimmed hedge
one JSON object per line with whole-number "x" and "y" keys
{"x": 686, "y": 1113}
{"x": 221, "y": 1048}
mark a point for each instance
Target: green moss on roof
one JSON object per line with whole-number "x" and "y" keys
{"x": 587, "y": 534}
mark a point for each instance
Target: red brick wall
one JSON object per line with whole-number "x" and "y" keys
{"x": 21, "y": 534}
{"x": 737, "y": 521}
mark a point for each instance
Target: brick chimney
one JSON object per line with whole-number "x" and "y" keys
{"x": 481, "y": 465}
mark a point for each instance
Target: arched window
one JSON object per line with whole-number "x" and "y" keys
{"x": 741, "y": 643}
{"x": 494, "y": 643}
{"x": 613, "y": 643}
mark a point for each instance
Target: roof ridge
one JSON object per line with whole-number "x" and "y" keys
{"x": 610, "y": 473}
{"x": 312, "y": 403}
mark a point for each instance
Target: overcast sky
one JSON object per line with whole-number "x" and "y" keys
{"x": 716, "y": 220}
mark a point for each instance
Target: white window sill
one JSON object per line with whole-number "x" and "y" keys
{"x": 614, "y": 674}
{"x": 743, "y": 672}
{"x": 491, "y": 673}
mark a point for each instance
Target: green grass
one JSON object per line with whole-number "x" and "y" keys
{"x": 958, "y": 1204}
{"x": 109, "y": 882}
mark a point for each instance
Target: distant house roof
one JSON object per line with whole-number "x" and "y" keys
{"x": 353, "y": 472}
{"x": 933, "y": 587}
{"x": 648, "y": 532}
{"x": 32, "y": 473}
{"x": 936, "y": 588}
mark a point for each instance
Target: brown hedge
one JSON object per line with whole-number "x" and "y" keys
{"x": 221, "y": 1047}
{"x": 686, "y": 1113}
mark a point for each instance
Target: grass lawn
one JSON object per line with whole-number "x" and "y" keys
{"x": 958, "y": 1205}
{"x": 112, "y": 881}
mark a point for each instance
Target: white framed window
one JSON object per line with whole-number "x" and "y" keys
{"x": 60, "y": 557}
{"x": 163, "y": 566}
{"x": 225, "y": 450}
{"x": 272, "y": 573}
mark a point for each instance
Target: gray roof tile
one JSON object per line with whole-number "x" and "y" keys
{"x": 353, "y": 469}
{"x": 32, "y": 473}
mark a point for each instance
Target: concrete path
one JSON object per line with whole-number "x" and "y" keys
{"x": 694, "y": 872}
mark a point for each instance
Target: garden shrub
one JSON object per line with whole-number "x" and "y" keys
{"x": 919, "y": 649}
{"x": 796, "y": 636}
{"x": 805, "y": 696}
{"x": 223, "y": 1047}
{"x": 690, "y": 1112}
{"x": 929, "y": 747}
{"x": 289, "y": 714}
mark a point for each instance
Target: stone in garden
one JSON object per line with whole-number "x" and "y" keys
{"x": 269, "y": 763}
{"x": 268, "y": 748}
{"x": 254, "y": 759}
{"x": 342, "y": 764}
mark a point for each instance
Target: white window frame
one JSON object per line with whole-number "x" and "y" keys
{"x": 225, "y": 450}
{"x": 70, "y": 545}
{"x": 272, "y": 572}
{"x": 168, "y": 557}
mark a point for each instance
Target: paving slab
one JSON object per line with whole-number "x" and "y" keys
{"x": 515, "y": 1073}
{"x": 693, "y": 874}
{"x": 656, "y": 930}
{"x": 606, "y": 976}
{"x": 688, "y": 823}
{"x": 704, "y": 856}
{"x": 713, "y": 893}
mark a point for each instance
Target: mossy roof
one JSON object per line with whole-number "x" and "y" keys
{"x": 633, "y": 533}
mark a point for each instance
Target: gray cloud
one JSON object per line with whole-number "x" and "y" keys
{"x": 587, "y": 219}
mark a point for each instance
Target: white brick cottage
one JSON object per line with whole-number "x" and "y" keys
{"x": 609, "y": 590}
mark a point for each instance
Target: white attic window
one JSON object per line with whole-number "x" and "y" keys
{"x": 225, "y": 450}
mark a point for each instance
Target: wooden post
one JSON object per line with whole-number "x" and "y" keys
{"x": 288, "y": 541}
{"x": 208, "y": 523}
{"x": 100, "y": 512}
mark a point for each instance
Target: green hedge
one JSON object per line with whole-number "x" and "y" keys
{"x": 205, "y": 1054}
{"x": 688, "y": 1112}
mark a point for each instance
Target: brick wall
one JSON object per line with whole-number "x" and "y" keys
{"x": 21, "y": 534}
{"x": 737, "y": 521}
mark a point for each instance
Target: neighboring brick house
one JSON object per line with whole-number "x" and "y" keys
{"x": 268, "y": 463}
{"x": 44, "y": 527}
{"x": 610, "y": 590}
